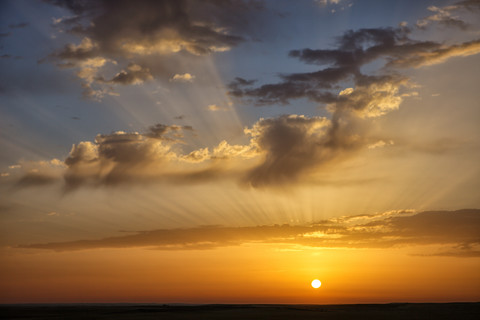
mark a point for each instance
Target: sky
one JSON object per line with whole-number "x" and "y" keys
{"x": 233, "y": 151}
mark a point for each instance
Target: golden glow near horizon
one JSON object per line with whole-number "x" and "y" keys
{"x": 226, "y": 152}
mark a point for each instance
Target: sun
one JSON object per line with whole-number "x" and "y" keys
{"x": 316, "y": 283}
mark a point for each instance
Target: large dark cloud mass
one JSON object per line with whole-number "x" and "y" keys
{"x": 125, "y": 32}
{"x": 148, "y": 26}
{"x": 292, "y": 145}
{"x": 456, "y": 232}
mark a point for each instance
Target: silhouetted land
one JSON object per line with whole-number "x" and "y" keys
{"x": 458, "y": 311}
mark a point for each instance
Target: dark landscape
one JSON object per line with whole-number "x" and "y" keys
{"x": 244, "y": 311}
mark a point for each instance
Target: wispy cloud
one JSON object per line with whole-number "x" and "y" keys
{"x": 446, "y": 15}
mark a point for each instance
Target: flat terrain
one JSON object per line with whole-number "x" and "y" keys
{"x": 139, "y": 312}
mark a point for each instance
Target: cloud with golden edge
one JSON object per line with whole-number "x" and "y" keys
{"x": 186, "y": 77}
{"x": 454, "y": 233}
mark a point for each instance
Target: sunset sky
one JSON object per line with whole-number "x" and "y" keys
{"x": 233, "y": 151}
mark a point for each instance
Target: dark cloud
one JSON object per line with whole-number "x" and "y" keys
{"x": 282, "y": 93}
{"x": 143, "y": 25}
{"x": 469, "y": 4}
{"x": 167, "y": 132}
{"x": 71, "y": 52}
{"x": 451, "y": 22}
{"x": 132, "y": 158}
{"x": 459, "y": 230}
{"x": 134, "y": 74}
{"x": 147, "y": 33}
{"x": 112, "y": 158}
{"x": 18, "y": 25}
{"x": 354, "y": 49}
{"x": 393, "y": 48}
{"x": 462, "y": 225}
{"x": 465, "y": 250}
{"x": 35, "y": 179}
{"x": 281, "y": 151}
{"x": 292, "y": 145}
{"x": 236, "y": 85}
{"x": 440, "y": 54}
{"x": 5, "y": 34}
{"x": 184, "y": 238}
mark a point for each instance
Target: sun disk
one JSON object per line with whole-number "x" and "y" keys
{"x": 316, "y": 283}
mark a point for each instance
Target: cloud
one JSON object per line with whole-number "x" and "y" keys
{"x": 392, "y": 48}
{"x": 147, "y": 34}
{"x": 279, "y": 151}
{"x": 445, "y": 15}
{"x": 455, "y": 230}
{"x": 182, "y": 238}
{"x": 186, "y": 77}
{"x": 464, "y": 250}
{"x": 119, "y": 157}
{"x": 20, "y": 25}
{"x": 292, "y": 145}
{"x": 438, "y": 55}
{"x": 324, "y": 3}
{"x": 35, "y": 173}
{"x": 36, "y": 179}
{"x": 85, "y": 59}
{"x": 148, "y": 27}
{"x": 134, "y": 74}
{"x": 380, "y": 144}
{"x": 354, "y": 49}
{"x": 214, "y": 107}
{"x": 154, "y": 156}
{"x": 87, "y": 49}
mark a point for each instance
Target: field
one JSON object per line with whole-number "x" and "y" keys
{"x": 138, "y": 312}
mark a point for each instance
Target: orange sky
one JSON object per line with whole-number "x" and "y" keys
{"x": 251, "y": 273}
{"x": 205, "y": 151}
